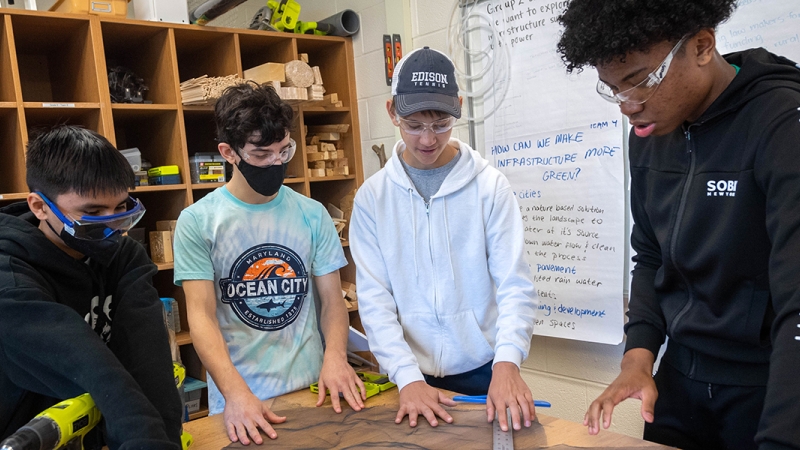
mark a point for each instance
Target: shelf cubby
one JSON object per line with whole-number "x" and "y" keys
{"x": 201, "y": 131}
{"x": 258, "y": 48}
{"x": 39, "y": 118}
{"x": 148, "y": 52}
{"x": 13, "y": 179}
{"x": 56, "y": 59}
{"x": 7, "y": 78}
{"x": 331, "y": 56}
{"x": 205, "y": 52}
{"x": 156, "y": 134}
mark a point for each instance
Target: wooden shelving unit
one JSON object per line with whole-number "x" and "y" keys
{"x": 53, "y": 69}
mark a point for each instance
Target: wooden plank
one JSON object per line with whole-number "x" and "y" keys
{"x": 329, "y": 128}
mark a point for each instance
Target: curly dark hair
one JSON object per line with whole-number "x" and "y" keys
{"x": 598, "y": 31}
{"x": 249, "y": 107}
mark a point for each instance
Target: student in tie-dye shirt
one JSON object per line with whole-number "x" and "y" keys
{"x": 250, "y": 256}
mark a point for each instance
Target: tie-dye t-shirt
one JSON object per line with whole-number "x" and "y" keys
{"x": 261, "y": 259}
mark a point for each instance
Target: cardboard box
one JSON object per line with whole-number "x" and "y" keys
{"x": 104, "y": 7}
{"x": 161, "y": 247}
{"x": 266, "y": 73}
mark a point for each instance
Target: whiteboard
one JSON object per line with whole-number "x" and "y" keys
{"x": 560, "y": 145}
{"x": 772, "y": 24}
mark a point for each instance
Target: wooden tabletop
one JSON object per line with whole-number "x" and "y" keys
{"x": 310, "y": 427}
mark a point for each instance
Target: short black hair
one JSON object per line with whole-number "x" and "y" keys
{"x": 68, "y": 158}
{"x": 249, "y": 107}
{"x": 598, "y": 31}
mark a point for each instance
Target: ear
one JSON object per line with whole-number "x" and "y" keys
{"x": 37, "y": 206}
{"x": 227, "y": 152}
{"x": 389, "y": 110}
{"x": 702, "y": 46}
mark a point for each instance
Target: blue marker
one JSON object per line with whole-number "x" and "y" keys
{"x": 482, "y": 399}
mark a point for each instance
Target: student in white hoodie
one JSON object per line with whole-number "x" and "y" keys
{"x": 444, "y": 291}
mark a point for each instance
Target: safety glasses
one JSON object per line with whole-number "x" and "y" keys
{"x": 95, "y": 228}
{"x": 416, "y": 128}
{"x": 266, "y": 157}
{"x": 644, "y": 90}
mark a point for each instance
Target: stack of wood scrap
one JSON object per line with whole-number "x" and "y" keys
{"x": 299, "y": 78}
{"x": 323, "y": 156}
{"x": 346, "y": 206}
{"x": 349, "y": 294}
{"x": 206, "y": 90}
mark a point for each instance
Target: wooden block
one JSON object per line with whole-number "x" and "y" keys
{"x": 316, "y": 173}
{"x": 167, "y": 225}
{"x": 330, "y": 128}
{"x": 304, "y": 57}
{"x": 327, "y": 147}
{"x": 275, "y": 85}
{"x": 161, "y": 246}
{"x": 316, "y": 156}
{"x": 331, "y": 98}
{"x": 312, "y": 148}
{"x": 328, "y": 136}
{"x": 338, "y": 104}
{"x": 266, "y": 73}
{"x": 346, "y": 170}
{"x": 340, "y": 154}
{"x": 317, "y": 164}
{"x": 312, "y": 140}
{"x": 299, "y": 74}
{"x": 317, "y": 75}
{"x": 341, "y": 162}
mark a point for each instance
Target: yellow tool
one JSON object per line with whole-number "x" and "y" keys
{"x": 316, "y": 28}
{"x": 63, "y": 426}
{"x": 60, "y": 426}
{"x": 285, "y": 14}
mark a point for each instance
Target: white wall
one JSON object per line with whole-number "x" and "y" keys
{"x": 569, "y": 374}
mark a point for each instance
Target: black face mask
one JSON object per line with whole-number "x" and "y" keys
{"x": 264, "y": 180}
{"x": 102, "y": 251}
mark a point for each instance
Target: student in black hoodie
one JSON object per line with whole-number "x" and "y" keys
{"x": 715, "y": 197}
{"x": 78, "y": 311}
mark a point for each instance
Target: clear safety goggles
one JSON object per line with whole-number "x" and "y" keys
{"x": 644, "y": 90}
{"x": 95, "y": 228}
{"x": 416, "y": 128}
{"x": 269, "y": 157}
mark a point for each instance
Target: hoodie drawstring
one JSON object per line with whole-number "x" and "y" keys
{"x": 413, "y": 228}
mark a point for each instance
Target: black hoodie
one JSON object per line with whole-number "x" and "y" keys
{"x": 68, "y": 327}
{"x": 716, "y": 207}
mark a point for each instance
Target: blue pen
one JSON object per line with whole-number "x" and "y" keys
{"x": 482, "y": 399}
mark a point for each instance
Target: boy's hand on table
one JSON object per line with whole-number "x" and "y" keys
{"x": 338, "y": 376}
{"x": 244, "y": 414}
{"x": 508, "y": 390}
{"x": 418, "y": 398}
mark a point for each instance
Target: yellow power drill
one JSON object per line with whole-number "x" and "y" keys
{"x": 63, "y": 426}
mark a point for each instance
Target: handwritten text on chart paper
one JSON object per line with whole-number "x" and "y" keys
{"x": 569, "y": 186}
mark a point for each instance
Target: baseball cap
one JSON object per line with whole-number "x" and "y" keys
{"x": 425, "y": 79}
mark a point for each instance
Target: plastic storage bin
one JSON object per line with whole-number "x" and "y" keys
{"x": 193, "y": 390}
{"x": 207, "y": 168}
{"x": 105, "y": 7}
{"x": 134, "y": 157}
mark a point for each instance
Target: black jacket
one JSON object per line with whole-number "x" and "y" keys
{"x": 68, "y": 327}
{"x": 716, "y": 207}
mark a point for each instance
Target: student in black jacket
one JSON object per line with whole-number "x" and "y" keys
{"x": 715, "y": 197}
{"x": 78, "y": 311}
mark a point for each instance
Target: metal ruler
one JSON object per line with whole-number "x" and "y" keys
{"x": 502, "y": 440}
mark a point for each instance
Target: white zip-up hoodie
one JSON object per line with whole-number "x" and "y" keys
{"x": 443, "y": 288}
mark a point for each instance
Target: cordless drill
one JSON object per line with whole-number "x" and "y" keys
{"x": 62, "y": 426}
